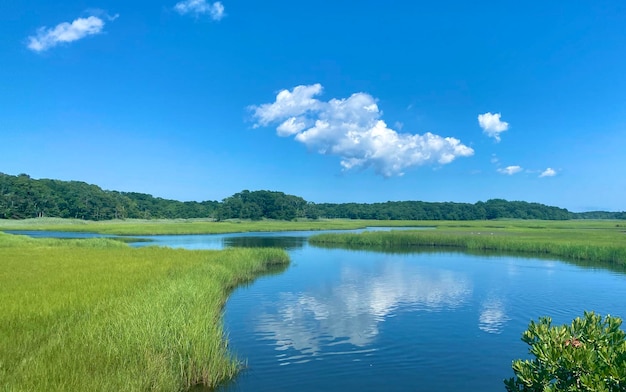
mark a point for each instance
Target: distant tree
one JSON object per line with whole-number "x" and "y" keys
{"x": 263, "y": 204}
{"x": 588, "y": 355}
{"x": 311, "y": 211}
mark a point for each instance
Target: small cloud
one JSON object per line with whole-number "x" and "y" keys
{"x": 201, "y": 7}
{"x": 510, "y": 170}
{"x": 289, "y": 104}
{"x": 352, "y": 129}
{"x": 47, "y": 38}
{"x": 491, "y": 125}
{"x": 549, "y": 172}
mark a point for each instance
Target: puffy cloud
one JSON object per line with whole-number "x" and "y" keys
{"x": 47, "y": 38}
{"x": 200, "y": 7}
{"x": 491, "y": 124}
{"x": 352, "y": 129}
{"x": 549, "y": 172}
{"x": 288, "y": 104}
{"x": 510, "y": 170}
{"x": 291, "y": 126}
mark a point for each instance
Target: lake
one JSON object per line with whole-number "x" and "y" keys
{"x": 346, "y": 320}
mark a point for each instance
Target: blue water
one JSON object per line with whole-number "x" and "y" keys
{"x": 340, "y": 320}
{"x": 345, "y": 320}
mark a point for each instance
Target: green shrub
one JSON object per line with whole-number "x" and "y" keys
{"x": 588, "y": 355}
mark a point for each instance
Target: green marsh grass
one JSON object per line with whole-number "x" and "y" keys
{"x": 97, "y": 315}
{"x": 190, "y": 226}
{"x": 207, "y": 226}
{"x": 594, "y": 241}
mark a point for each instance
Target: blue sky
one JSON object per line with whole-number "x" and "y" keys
{"x": 334, "y": 101}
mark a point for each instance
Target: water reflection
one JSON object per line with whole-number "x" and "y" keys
{"x": 351, "y": 310}
{"x": 285, "y": 242}
{"x": 414, "y": 249}
{"x": 493, "y": 315}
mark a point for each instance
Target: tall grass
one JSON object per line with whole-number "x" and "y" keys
{"x": 89, "y": 315}
{"x": 598, "y": 244}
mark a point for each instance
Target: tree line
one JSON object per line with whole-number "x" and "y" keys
{"x": 418, "y": 210}
{"x": 24, "y": 197}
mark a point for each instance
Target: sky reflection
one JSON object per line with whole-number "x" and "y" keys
{"x": 493, "y": 316}
{"x": 352, "y": 309}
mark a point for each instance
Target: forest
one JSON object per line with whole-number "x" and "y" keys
{"x": 23, "y": 197}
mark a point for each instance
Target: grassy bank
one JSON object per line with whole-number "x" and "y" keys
{"x": 596, "y": 241}
{"x": 189, "y": 226}
{"x": 205, "y": 226}
{"x": 87, "y": 315}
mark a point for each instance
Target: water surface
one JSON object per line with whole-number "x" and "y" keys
{"x": 341, "y": 320}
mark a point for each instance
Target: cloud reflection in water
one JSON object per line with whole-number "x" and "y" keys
{"x": 350, "y": 310}
{"x": 493, "y": 316}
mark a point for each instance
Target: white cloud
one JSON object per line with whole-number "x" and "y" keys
{"x": 289, "y": 104}
{"x": 47, "y": 38}
{"x": 291, "y": 126}
{"x": 199, "y": 7}
{"x": 491, "y": 124}
{"x": 549, "y": 172}
{"x": 352, "y": 129}
{"x": 510, "y": 170}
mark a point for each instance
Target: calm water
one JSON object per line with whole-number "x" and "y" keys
{"x": 340, "y": 320}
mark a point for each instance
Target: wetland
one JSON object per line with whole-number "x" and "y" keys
{"x": 337, "y": 316}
